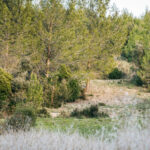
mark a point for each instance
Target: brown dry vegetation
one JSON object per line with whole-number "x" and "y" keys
{"x": 116, "y": 93}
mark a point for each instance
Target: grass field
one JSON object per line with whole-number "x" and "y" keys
{"x": 84, "y": 126}
{"x": 133, "y": 135}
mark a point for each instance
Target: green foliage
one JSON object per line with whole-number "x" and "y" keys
{"x": 144, "y": 71}
{"x": 85, "y": 126}
{"x": 52, "y": 36}
{"x": 35, "y": 92}
{"x": 90, "y": 112}
{"x": 66, "y": 91}
{"x": 25, "y": 65}
{"x": 105, "y": 66}
{"x": 74, "y": 90}
{"x": 43, "y": 113}
{"x": 137, "y": 48}
{"x": 64, "y": 73}
{"x": 5, "y": 86}
{"x": 116, "y": 74}
{"x": 22, "y": 119}
{"x": 137, "y": 80}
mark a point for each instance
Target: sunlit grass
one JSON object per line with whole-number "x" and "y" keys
{"x": 85, "y": 126}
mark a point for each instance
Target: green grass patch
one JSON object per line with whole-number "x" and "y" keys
{"x": 86, "y": 126}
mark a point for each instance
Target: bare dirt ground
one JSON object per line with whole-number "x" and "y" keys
{"x": 108, "y": 92}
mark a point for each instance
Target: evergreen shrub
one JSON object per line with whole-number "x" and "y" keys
{"x": 116, "y": 74}
{"x": 5, "y": 86}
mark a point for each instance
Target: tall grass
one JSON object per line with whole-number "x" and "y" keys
{"x": 134, "y": 134}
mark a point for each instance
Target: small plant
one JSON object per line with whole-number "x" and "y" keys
{"x": 101, "y": 104}
{"x": 22, "y": 119}
{"x": 116, "y": 74}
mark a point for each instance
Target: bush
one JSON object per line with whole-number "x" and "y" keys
{"x": 74, "y": 90}
{"x": 18, "y": 84}
{"x": 25, "y": 65}
{"x": 43, "y": 113}
{"x": 22, "y": 119}
{"x": 116, "y": 74}
{"x": 90, "y": 112}
{"x": 5, "y": 86}
{"x": 61, "y": 94}
{"x": 35, "y": 91}
{"x": 66, "y": 91}
{"x": 64, "y": 73}
{"x": 137, "y": 80}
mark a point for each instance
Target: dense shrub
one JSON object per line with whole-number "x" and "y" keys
{"x": 5, "y": 86}
{"x": 23, "y": 118}
{"x": 64, "y": 73}
{"x": 90, "y": 112}
{"x": 25, "y": 65}
{"x": 35, "y": 92}
{"x": 116, "y": 74}
{"x": 129, "y": 55}
{"x": 43, "y": 113}
{"x": 137, "y": 80}
{"x": 74, "y": 90}
{"x": 61, "y": 94}
{"x": 65, "y": 91}
{"x": 19, "y": 84}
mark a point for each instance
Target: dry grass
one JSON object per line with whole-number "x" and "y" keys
{"x": 132, "y": 136}
{"x": 108, "y": 92}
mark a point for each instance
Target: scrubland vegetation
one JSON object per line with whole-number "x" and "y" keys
{"x": 133, "y": 134}
{"x": 74, "y": 74}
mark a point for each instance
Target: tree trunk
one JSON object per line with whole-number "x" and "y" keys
{"x": 7, "y": 49}
{"x": 88, "y": 80}
{"x": 52, "y": 95}
{"x": 6, "y": 60}
{"x": 87, "y": 85}
{"x": 88, "y": 66}
{"x": 49, "y": 49}
{"x": 48, "y": 62}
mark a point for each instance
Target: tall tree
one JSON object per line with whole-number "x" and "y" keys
{"x": 5, "y": 33}
{"x": 52, "y": 32}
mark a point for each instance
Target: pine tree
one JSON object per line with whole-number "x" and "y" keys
{"x": 145, "y": 60}
{"x": 5, "y": 86}
{"x": 35, "y": 92}
{"x": 5, "y": 34}
{"x": 52, "y": 32}
{"x": 137, "y": 48}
